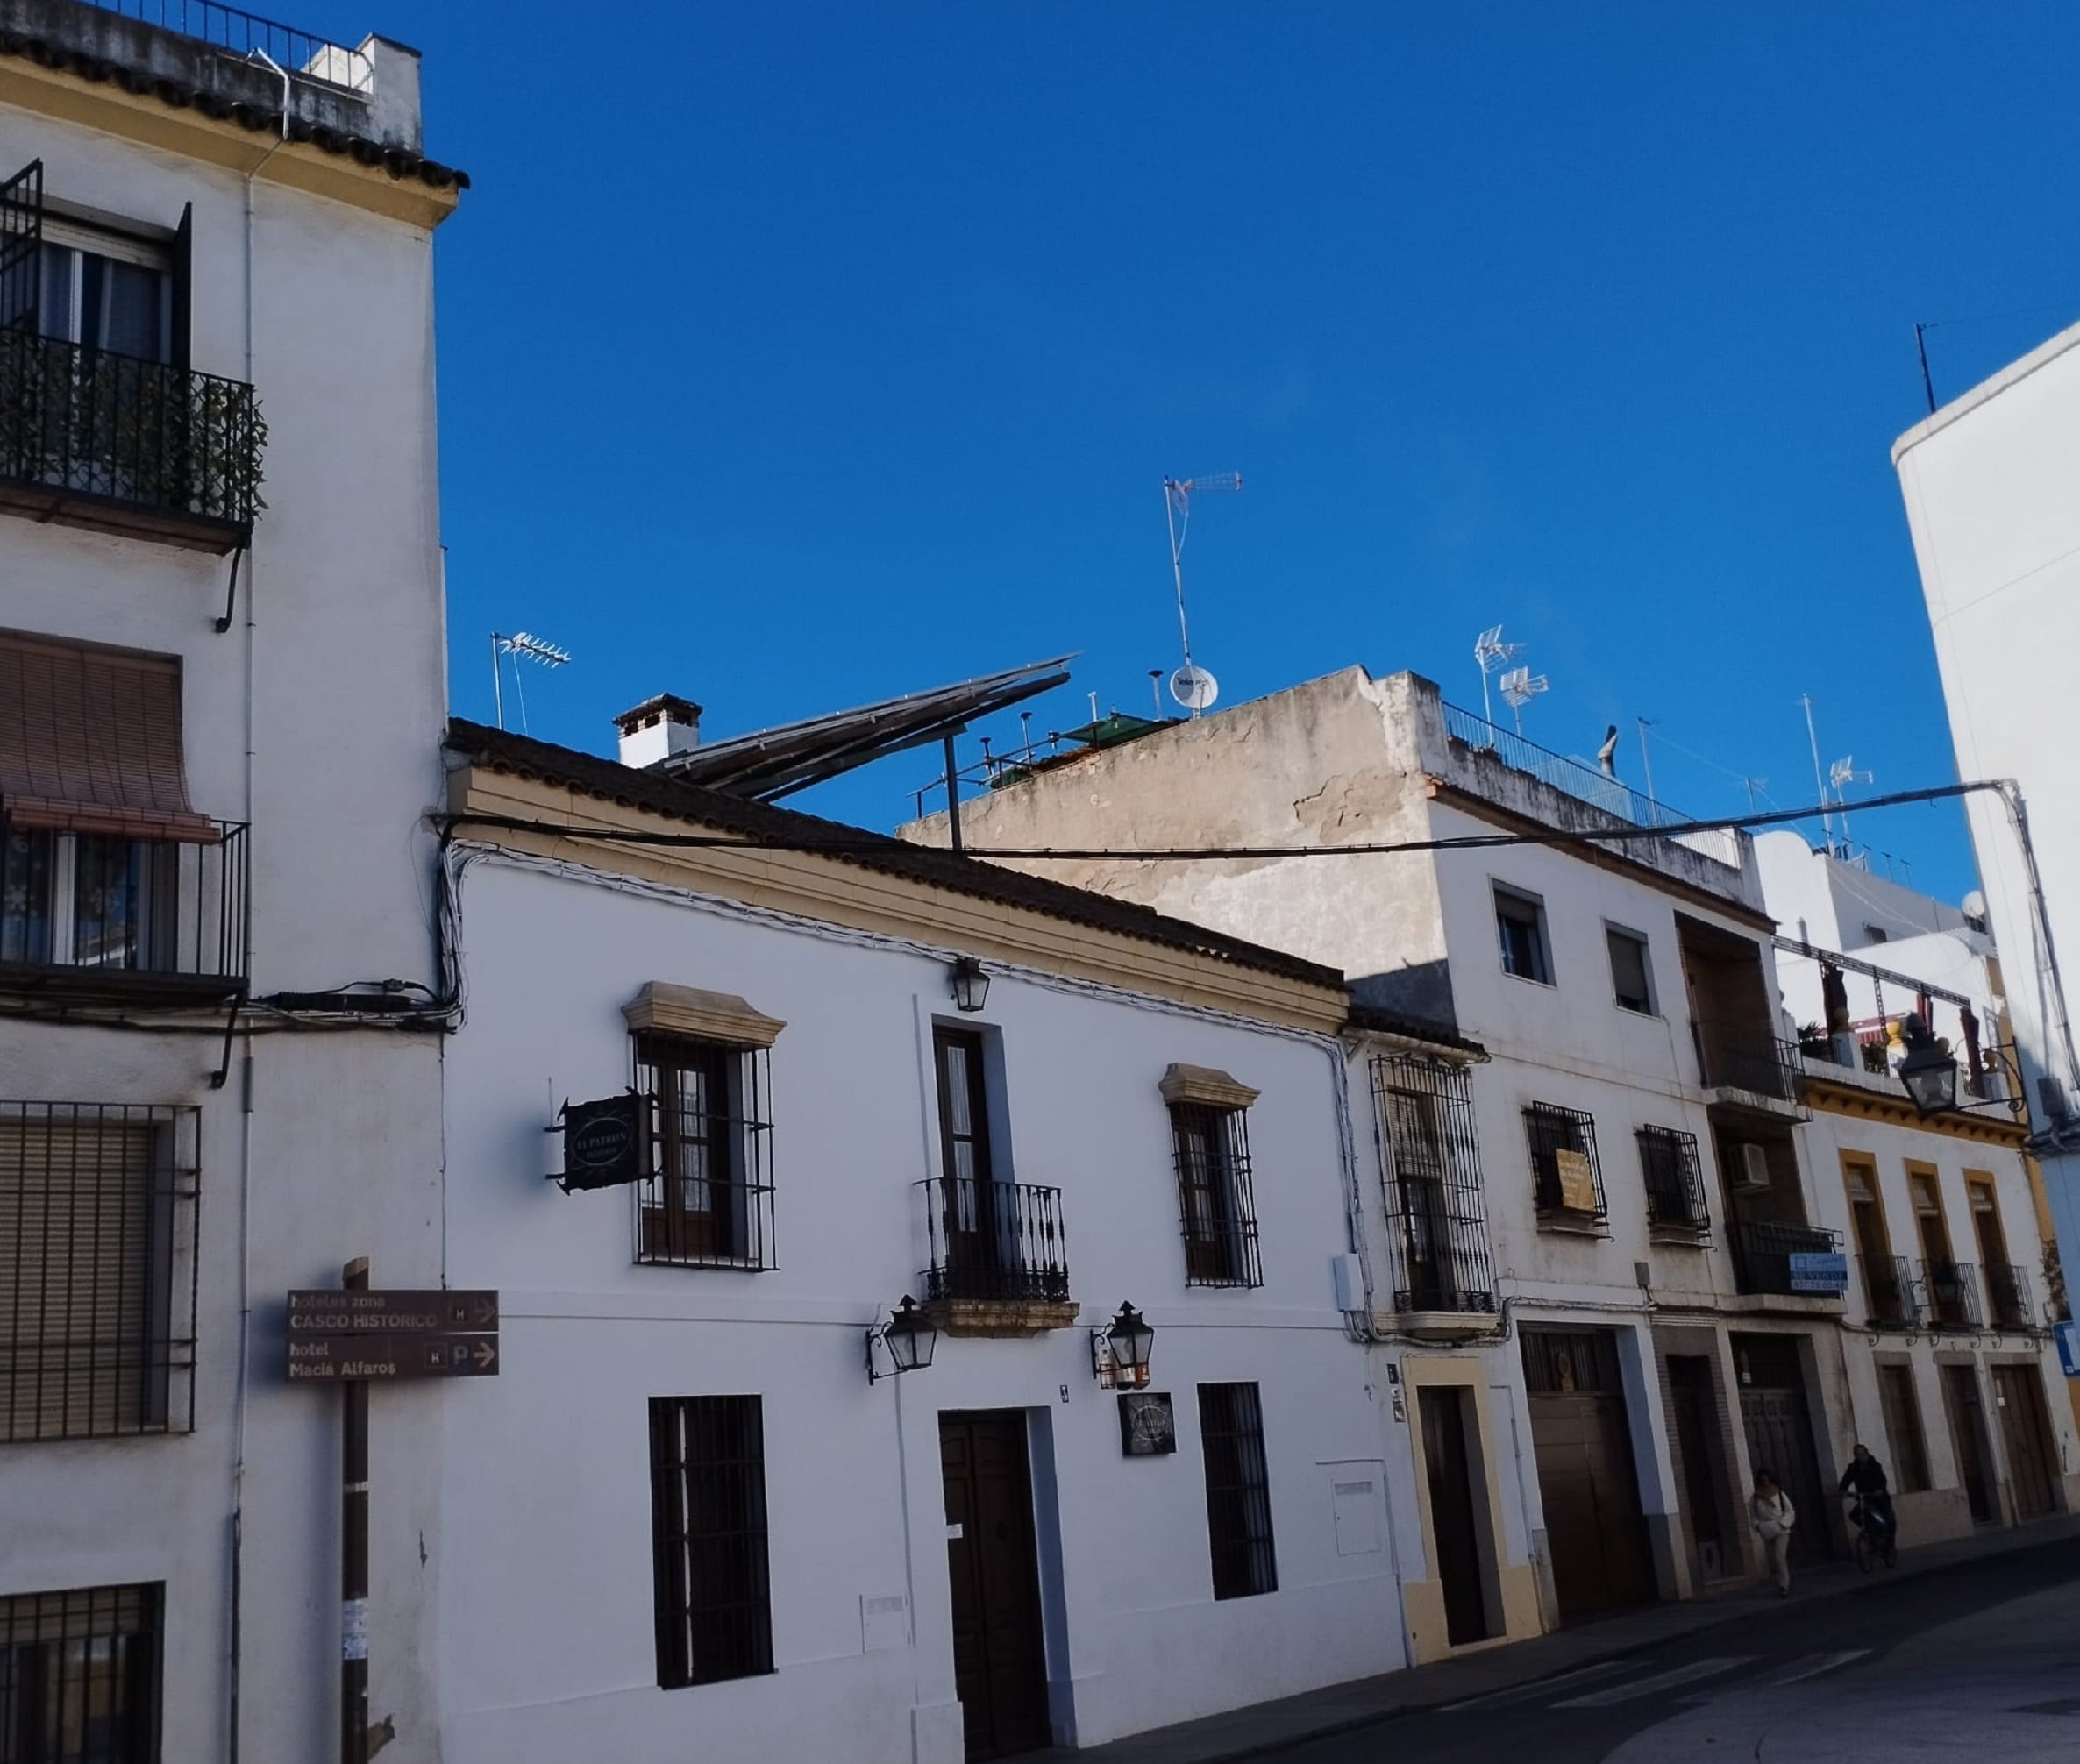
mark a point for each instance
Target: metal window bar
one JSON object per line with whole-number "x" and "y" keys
{"x": 1762, "y": 1251}
{"x": 1219, "y": 1211}
{"x": 80, "y": 1675}
{"x": 1550, "y": 1130}
{"x": 76, "y": 907}
{"x": 1674, "y": 1178}
{"x": 992, "y": 1240}
{"x": 244, "y": 33}
{"x": 1951, "y": 1293}
{"x": 706, "y": 1201}
{"x": 1437, "y": 1225}
{"x": 2007, "y": 1286}
{"x": 1238, "y": 1502}
{"x": 21, "y": 249}
{"x": 1586, "y": 783}
{"x": 713, "y": 1590}
{"x": 98, "y": 1206}
{"x": 1743, "y": 1056}
{"x": 1889, "y": 1292}
{"x": 87, "y": 424}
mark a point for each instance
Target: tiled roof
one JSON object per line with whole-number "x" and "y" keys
{"x": 185, "y": 95}
{"x": 501, "y": 750}
{"x": 1413, "y": 1028}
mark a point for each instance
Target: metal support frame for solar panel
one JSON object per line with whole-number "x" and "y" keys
{"x": 769, "y": 763}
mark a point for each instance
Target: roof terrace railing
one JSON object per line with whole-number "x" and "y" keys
{"x": 246, "y": 34}
{"x": 1584, "y": 783}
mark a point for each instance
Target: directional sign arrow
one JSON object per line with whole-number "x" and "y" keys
{"x": 392, "y": 1313}
{"x": 330, "y": 1358}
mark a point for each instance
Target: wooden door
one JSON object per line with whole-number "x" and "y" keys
{"x": 1455, "y": 1535}
{"x": 1582, "y": 1446}
{"x": 2025, "y": 1430}
{"x": 1968, "y": 1435}
{"x": 1779, "y": 1430}
{"x": 1690, "y": 1396}
{"x": 1000, "y": 1657}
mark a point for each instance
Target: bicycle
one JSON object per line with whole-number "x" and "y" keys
{"x": 1869, "y": 1549}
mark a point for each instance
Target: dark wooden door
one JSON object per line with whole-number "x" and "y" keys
{"x": 1581, "y": 1445}
{"x": 1690, "y": 1395}
{"x": 1967, "y": 1436}
{"x": 2025, "y": 1430}
{"x": 999, "y": 1656}
{"x": 1454, "y": 1527}
{"x": 1780, "y": 1440}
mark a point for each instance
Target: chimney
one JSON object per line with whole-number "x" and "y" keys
{"x": 658, "y": 728}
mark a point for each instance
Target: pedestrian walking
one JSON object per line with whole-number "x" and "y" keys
{"x": 1771, "y": 1512}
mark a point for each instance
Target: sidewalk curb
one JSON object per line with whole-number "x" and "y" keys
{"x": 1725, "y": 1608}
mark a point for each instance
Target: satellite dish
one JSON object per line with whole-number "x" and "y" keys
{"x": 1194, "y": 688}
{"x": 1974, "y": 905}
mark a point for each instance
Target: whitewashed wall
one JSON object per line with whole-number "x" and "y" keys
{"x": 546, "y": 1639}
{"x": 333, "y": 676}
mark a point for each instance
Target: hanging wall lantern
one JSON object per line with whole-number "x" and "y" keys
{"x": 1928, "y": 1071}
{"x": 1120, "y": 1351}
{"x": 971, "y": 984}
{"x": 908, "y": 1338}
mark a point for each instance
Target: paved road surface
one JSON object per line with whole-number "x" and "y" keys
{"x": 1980, "y": 1663}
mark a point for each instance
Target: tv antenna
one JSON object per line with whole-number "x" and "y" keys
{"x": 1841, "y": 775}
{"x": 1191, "y": 686}
{"x": 520, "y": 646}
{"x": 1490, "y": 652}
{"x": 1520, "y": 685}
{"x": 1820, "y": 783}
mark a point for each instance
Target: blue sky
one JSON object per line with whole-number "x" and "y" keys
{"x": 795, "y": 356}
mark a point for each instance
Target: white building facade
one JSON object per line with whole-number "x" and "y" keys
{"x": 216, "y": 476}
{"x": 1992, "y": 484}
{"x": 702, "y": 1527}
{"x": 1655, "y": 1308}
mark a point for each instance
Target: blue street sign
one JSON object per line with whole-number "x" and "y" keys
{"x": 2067, "y": 1336}
{"x": 1819, "y": 1271}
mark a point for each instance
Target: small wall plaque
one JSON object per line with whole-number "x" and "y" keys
{"x": 1148, "y": 1429}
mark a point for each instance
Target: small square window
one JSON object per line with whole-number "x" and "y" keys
{"x": 1631, "y": 981}
{"x": 1520, "y": 925}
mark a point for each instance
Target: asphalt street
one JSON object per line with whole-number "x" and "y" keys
{"x": 1979, "y": 1662}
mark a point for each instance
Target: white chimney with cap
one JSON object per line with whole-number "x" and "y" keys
{"x": 658, "y": 728}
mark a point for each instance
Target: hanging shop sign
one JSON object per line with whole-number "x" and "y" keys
{"x": 605, "y": 1143}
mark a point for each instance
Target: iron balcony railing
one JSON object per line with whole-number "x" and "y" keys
{"x": 1585, "y": 783}
{"x": 1762, "y": 1251}
{"x": 139, "y": 916}
{"x": 1889, "y": 1292}
{"x": 992, "y": 1240}
{"x": 1743, "y": 1057}
{"x": 1953, "y": 1295}
{"x": 245, "y": 34}
{"x": 83, "y": 425}
{"x": 2007, "y": 1286}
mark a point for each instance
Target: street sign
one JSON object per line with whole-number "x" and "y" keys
{"x": 1819, "y": 1271}
{"x": 605, "y": 1142}
{"x": 2067, "y": 1336}
{"x": 395, "y": 1312}
{"x": 330, "y": 1358}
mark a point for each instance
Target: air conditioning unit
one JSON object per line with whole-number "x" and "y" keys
{"x": 1754, "y": 1172}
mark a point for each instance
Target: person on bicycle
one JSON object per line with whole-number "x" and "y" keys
{"x": 1865, "y": 1480}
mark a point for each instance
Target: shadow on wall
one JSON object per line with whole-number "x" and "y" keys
{"x": 1419, "y": 989}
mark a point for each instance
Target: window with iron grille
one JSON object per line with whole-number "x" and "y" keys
{"x": 1520, "y": 925}
{"x": 1212, "y": 1174}
{"x": 97, "y": 1270}
{"x": 79, "y": 1677}
{"x": 1674, "y": 1179}
{"x": 1239, "y": 1496}
{"x": 1436, "y": 1217}
{"x": 1567, "y": 1181}
{"x": 707, "y": 1200}
{"x": 707, "y": 1531}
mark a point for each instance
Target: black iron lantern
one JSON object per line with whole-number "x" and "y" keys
{"x": 971, "y": 984}
{"x": 1928, "y": 1071}
{"x": 908, "y": 1338}
{"x": 1120, "y": 1350}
